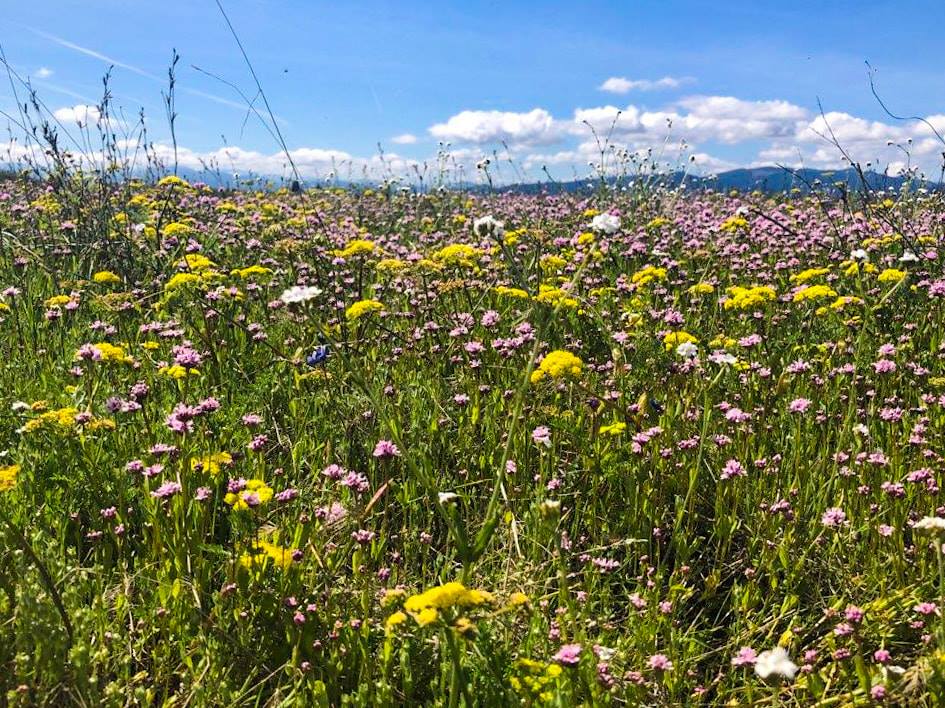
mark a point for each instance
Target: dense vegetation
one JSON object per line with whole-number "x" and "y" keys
{"x": 386, "y": 448}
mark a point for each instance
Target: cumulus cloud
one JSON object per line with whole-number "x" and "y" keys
{"x": 404, "y": 139}
{"x": 81, "y": 114}
{"x": 619, "y": 84}
{"x": 43, "y": 72}
{"x": 536, "y": 127}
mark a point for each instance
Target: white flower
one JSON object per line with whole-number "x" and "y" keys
{"x": 860, "y": 255}
{"x": 932, "y": 524}
{"x": 775, "y": 662}
{"x": 447, "y": 497}
{"x": 605, "y": 223}
{"x": 299, "y": 293}
{"x": 908, "y": 257}
{"x": 488, "y": 226}
{"x": 861, "y": 429}
{"x": 687, "y": 350}
{"x": 723, "y": 359}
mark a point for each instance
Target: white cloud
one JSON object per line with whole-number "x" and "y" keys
{"x": 81, "y": 114}
{"x": 404, "y": 139}
{"x": 536, "y": 127}
{"x": 43, "y": 72}
{"x": 619, "y": 84}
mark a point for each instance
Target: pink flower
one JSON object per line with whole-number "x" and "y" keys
{"x": 385, "y": 450}
{"x": 568, "y": 654}
{"x": 746, "y": 656}
{"x": 660, "y": 662}
{"x": 799, "y": 405}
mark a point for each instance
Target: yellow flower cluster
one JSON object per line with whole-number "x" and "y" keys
{"x": 211, "y": 463}
{"x": 814, "y": 292}
{"x": 255, "y": 493}
{"x": 456, "y": 254}
{"x": 110, "y": 353}
{"x": 8, "y": 475}
{"x": 557, "y": 364}
{"x": 740, "y": 298}
{"x": 106, "y": 277}
{"x": 512, "y": 292}
{"x": 891, "y": 275}
{"x": 177, "y": 372}
{"x": 425, "y": 607}
{"x": 613, "y": 429}
{"x": 250, "y": 271}
{"x": 362, "y": 308}
{"x": 809, "y": 274}
{"x": 58, "y": 421}
{"x": 733, "y": 224}
{"x": 535, "y": 680}
{"x": 701, "y": 289}
{"x": 358, "y": 247}
{"x": 261, "y": 552}
{"x": 648, "y": 274}
{"x": 555, "y": 296}
{"x": 674, "y": 339}
{"x": 389, "y": 265}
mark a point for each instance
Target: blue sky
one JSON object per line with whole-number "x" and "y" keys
{"x": 739, "y": 80}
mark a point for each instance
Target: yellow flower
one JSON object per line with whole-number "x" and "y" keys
{"x": 555, "y": 296}
{"x": 442, "y": 597}
{"x": 261, "y": 552}
{"x": 176, "y": 230}
{"x": 386, "y": 265}
{"x": 644, "y": 276}
{"x": 361, "y": 308}
{"x": 172, "y": 181}
{"x": 552, "y": 263}
{"x": 809, "y": 274}
{"x": 58, "y": 301}
{"x": 108, "y": 353}
{"x": 177, "y": 372}
{"x": 251, "y": 271}
{"x": 613, "y": 429}
{"x": 733, "y": 224}
{"x": 211, "y": 463}
{"x": 557, "y": 364}
{"x": 891, "y": 275}
{"x": 356, "y": 248}
{"x": 814, "y": 292}
{"x": 674, "y": 339}
{"x": 106, "y": 277}
{"x": 456, "y": 254}
{"x": 511, "y": 292}
{"x": 197, "y": 262}
{"x": 395, "y": 619}
{"x": 8, "y": 475}
{"x": 255, "y": 493}
{"x": 426, "y": 616}
{"x": 740, "y": 298}
{"x": 181, "y": 279}
{"x": 701, "y": 289}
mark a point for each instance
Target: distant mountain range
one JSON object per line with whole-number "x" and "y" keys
{"x": 771, "y": 179}
{"x": 766, "y": 179}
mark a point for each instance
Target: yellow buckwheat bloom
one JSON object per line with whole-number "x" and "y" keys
{"x": 362, "y": 308}
{"x": 255, "y": 493}
{"x": 106, "y": 277}
{"x": 814, "y": 292}
{"x": 674, "y": 339}
{"x": 8, "y": 475}
{"x": 558, "y": 364}
{"x": 891, "y": 275}
{"x": 740, "y": 298}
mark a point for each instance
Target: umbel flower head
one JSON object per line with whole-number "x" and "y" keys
{"x": 556, "y": 365}
{"x": 775, "y": 662}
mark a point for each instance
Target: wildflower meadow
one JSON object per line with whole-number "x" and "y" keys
{"x": 377, "y": 447}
